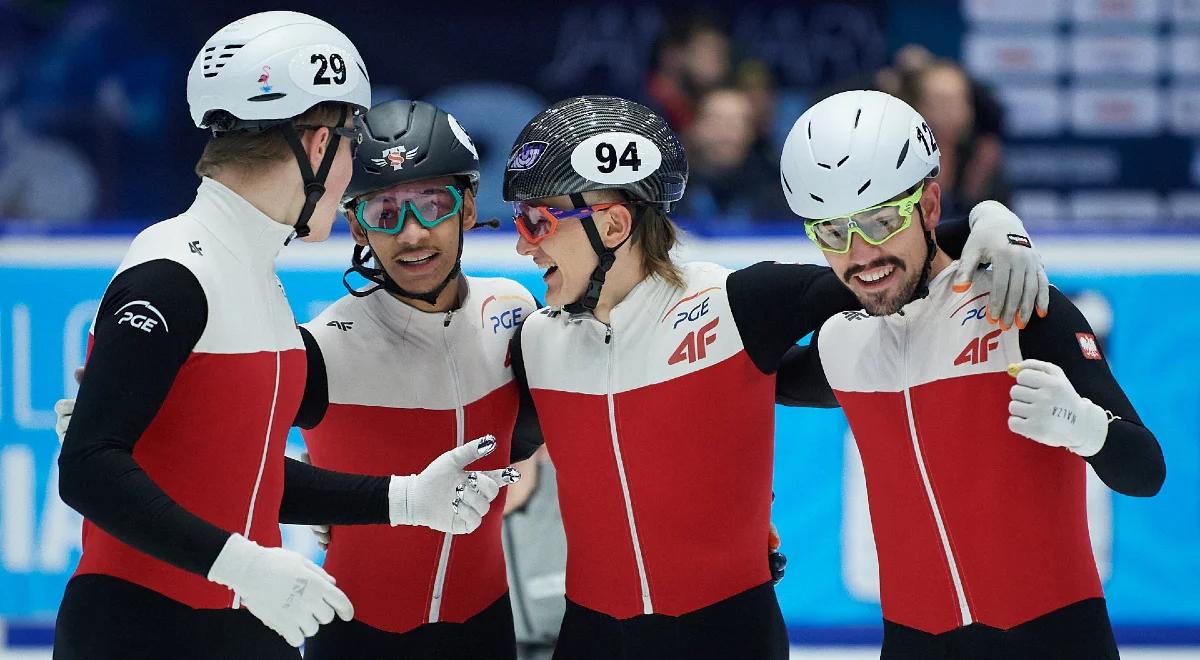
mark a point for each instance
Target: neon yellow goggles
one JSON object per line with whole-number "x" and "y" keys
{"x": 875, "y": 225}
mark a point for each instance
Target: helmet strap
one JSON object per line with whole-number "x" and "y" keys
{"x": 922, "y": 289}
{"x": 314, "y": 183}
{"x": 607, "y": 255}
{"x": 379, "y": 276}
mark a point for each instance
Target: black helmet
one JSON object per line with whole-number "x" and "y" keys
{"x": 408, "y": 141}
{"x": 597, "y": 143}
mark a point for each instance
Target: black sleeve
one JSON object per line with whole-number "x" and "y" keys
{"x": 527, "y": 434}
{"x": 952, "y": 237}
{"x": 775, "y": 305}
{"x": 316, "y": 384}
{"x": 1131, "y": 461}
{"x": 129, "y": 372}
{"x": 315, "y": 496}
{"x": 801, "y": 380}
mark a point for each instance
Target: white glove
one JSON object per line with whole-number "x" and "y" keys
{"x": 287, "y": 592}
{"x": 63, "y": 408}
{"x": 322, "y": 532}
{"x": 444, "y": 496}
{"x": 1019, "y": 280}
{"x": 1045, "y": 407}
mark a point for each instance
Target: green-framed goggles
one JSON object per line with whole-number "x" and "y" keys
{"x": 385, "y": 212}
{"x": 875, "y": 225}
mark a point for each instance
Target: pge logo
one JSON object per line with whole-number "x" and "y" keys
{"x": 693, "y": 314}
{"x": 977, "y": 313}
{"x": 146, "y": 322}
{"x": 507, "y": 319}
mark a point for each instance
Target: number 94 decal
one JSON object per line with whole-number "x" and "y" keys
{"x": 616, "y": 157}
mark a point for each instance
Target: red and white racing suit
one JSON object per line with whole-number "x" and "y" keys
{"x": 403, "y": 387}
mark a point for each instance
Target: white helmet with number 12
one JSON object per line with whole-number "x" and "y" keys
{"x": 852, "y": 151}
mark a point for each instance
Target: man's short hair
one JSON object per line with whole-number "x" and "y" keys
{"x": 246, "y": 150}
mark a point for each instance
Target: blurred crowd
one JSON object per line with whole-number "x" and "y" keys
{"x": 93, "y": 122}
{"x": 724, "y": 108}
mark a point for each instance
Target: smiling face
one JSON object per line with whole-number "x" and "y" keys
{"x": 418, "y": 258}
{"x": 884, "y": 277}
{"x": 566, "y": 256}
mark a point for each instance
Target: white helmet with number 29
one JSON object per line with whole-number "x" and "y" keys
{"x": 272, "y": 66}
{"x": 852, "y": 151}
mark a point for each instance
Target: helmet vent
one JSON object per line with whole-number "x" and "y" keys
{"x": 211, "y": 65}
{"x": 785, "y": 183}
{"x": 816, "y": 198}
{"x": 810, "y": 130}
{"x": 825, "y": 165}
{"x": 903, "y": 155}
{"x": 864, "y": 186}
{"x": 856, "y": 116}
{"x": 843, "y": 160}
{"x": 267, "y": 97}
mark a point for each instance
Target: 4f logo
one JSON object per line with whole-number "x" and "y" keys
{"x": 695, "y": 345}
{"x": 977, "y": 351}
{"x": 194, "y": 246}
{"x": 146, "y": 322}
{"x": 341, "y": 325}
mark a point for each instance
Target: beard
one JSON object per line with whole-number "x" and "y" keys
{"x": 884, "y": 303}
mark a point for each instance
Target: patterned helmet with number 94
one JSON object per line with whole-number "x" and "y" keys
{"x": 591, "y": 143}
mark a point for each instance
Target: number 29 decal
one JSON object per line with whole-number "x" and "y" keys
{"x": 325, "y": 70}
{"x": 334, "y": 63}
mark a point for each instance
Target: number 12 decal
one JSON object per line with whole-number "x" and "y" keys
{"x": 335, "y": 63}
{"x": 925, "y": 137}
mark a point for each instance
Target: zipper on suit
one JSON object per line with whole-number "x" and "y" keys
{"x": 262, "y": 463}
{"x": 647, "y": 606}
{"x": 960, "y": 593}
{"x": 439, "y": 580}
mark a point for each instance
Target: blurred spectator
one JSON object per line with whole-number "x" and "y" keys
{"x": 693, "y": 57}
{"x": 971, "y": 159}
{"x": 42, "y": 178}
{"x": 755, "y": 79}
{"x": 729, "y": 177}
{"x": 106, "y": 76}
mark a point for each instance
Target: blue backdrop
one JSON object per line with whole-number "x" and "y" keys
{"x": 1149, "y": 550}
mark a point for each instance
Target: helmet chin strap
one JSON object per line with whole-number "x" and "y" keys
{"x": 608, "y": 256}
{"x": 922, "y": 289}
{"x": 314, "y": 183}
{"x": 379, "y": 276}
